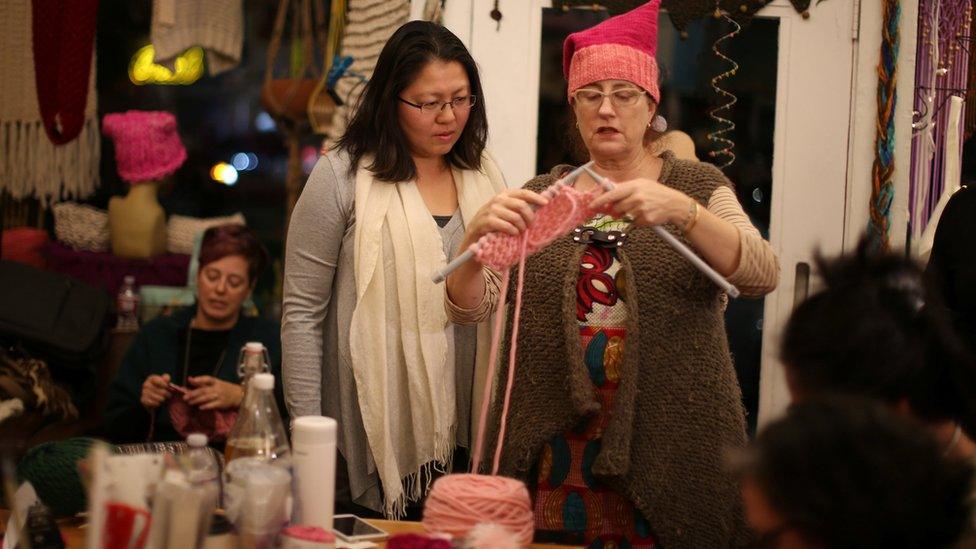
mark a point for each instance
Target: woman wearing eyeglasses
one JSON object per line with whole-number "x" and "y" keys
{"x": 365, "y": 335}
{"x": 625, "y": 397}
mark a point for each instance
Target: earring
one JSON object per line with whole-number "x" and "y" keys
{"x": 659, "y": 124}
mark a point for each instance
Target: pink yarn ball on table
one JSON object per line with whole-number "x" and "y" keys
{"x": 458, "y": 503}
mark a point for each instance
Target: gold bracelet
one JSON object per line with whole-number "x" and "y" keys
{"x": 693, "y": 212}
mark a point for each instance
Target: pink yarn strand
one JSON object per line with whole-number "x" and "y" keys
{"x": 492, "y": 363}
{"x": 513, "y": 347}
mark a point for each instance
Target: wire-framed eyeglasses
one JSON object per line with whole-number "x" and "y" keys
{"x": 434, "y": 107}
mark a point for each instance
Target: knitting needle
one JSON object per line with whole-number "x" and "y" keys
{"x": 678, "y": 245}
{"x": 461, "y": 259}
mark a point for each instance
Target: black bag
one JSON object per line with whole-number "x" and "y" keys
{"x": 53, "y": 317}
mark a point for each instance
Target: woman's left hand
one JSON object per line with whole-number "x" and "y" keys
{"x": 210, "y": 393}
{"x": 646, "y": 201}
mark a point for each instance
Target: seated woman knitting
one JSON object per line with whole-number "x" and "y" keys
{"x": 192, "y": 355}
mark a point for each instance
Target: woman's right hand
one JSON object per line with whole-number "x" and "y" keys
{"x": 155, "y": 391}
{"x": 509, "y": 212}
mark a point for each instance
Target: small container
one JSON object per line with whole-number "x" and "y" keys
{"x": 314, "y": 465}
{"x": 127, "y": 305}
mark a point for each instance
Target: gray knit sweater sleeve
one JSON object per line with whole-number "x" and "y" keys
{"x": 318, "y": 223}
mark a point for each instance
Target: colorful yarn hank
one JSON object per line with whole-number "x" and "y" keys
{"x": 882, "y": 184}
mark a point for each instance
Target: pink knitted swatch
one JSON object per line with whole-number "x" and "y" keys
{"x": 567, "y": 208}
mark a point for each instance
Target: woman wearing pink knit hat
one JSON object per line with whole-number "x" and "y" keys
{"x": 625, "y": 397}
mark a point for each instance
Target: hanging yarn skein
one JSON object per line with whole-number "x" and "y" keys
{"x": 726, "y": 126}
{"x": 882, "y": 186}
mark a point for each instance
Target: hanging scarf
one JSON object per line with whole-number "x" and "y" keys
{"x": 398, "y": 334}
{"x": 49, "y": 137}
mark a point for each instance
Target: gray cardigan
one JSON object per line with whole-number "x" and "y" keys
{"x": 319, "y": 299}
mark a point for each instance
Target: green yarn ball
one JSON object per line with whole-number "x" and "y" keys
{"x": 52, "y": 468}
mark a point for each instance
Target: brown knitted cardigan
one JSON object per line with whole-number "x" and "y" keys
{"x": 678, "y": 407}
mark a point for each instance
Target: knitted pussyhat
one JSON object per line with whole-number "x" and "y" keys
{"x": 620, "y": 48}
{"x": 147, "y": 146}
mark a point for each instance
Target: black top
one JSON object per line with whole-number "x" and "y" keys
{"x": 159, "y": 348}
{"x": 443, "y": 220}
{"x": 208, "y": 348}
{"x": 951, "y": 271}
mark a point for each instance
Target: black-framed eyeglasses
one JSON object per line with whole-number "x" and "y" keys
{"x": 432, "y": 107}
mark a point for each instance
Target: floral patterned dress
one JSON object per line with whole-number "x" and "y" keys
{"x": 568, "y": 498}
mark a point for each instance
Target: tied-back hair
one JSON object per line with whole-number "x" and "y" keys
{"x": 875, "y": 330}
{"x": 375, "y": 129}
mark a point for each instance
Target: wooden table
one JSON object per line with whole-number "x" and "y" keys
{"x": 73, "y": 531}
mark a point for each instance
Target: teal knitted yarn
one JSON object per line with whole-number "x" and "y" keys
{"x": 52, "y": 468}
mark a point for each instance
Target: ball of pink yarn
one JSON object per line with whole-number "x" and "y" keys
{"x": 457, "y": 503}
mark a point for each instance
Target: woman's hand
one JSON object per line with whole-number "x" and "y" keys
{"x": 646, "y": 201}
{"x": 155, "y": 391}
{"x": 510, "y": 212}
{"x": 210, "y": 393}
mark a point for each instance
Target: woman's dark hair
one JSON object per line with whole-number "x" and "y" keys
{"x": 875, "y": 331}
{"x": 375, "y": 129}
{"x": 848, "y": 472}
{"x": 224, "y": 240}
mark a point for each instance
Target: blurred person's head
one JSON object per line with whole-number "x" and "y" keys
{"x": 231, "y": 258}
{"x": 849, "y": 472}
{"x": 874, "y": 331}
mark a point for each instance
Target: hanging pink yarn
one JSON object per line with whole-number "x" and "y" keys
{"x": 567, "y": 208}
{"x": 457, "y": 503}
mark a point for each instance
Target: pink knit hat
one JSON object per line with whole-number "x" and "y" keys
{"x": 620, "y": 48}
{"x": 147, "y": 146}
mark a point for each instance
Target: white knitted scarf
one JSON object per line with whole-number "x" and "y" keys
{"x": 31, "y": 166}
{"x": 398, "y": 334}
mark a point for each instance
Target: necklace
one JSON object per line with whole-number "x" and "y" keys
{"x": 186, "y": 355}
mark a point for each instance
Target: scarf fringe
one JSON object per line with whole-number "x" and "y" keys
{"x": 33, "y": 167}
{"x": 417, "y": 484}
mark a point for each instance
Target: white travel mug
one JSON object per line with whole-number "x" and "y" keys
{"x": 313, "y": 441}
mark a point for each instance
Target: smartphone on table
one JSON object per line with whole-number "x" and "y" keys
{"x": 352, "y": 528}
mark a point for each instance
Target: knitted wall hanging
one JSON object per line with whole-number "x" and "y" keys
{"x": 215, "y": 25}
{"x": 369, "y": 24}
{"x": 941, "y": 71}
{"x": 683, "y": 12}
{"x": 882, "y": 186}
{"x": 49, "y": 137}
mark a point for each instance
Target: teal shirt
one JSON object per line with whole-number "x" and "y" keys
{"x": 156, "y": 350}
